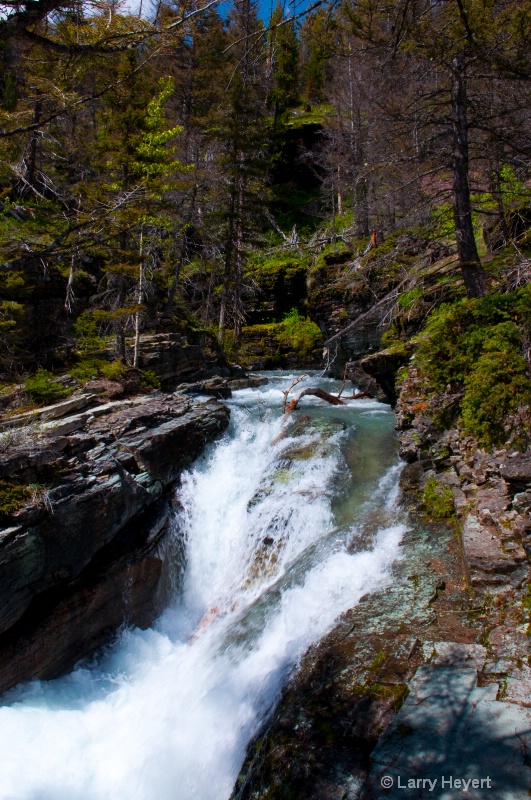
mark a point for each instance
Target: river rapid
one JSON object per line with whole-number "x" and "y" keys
{"x": 281, "y": 526}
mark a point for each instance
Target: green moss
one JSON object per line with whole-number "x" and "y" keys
{"x": 12, "y": 498}
{"x": 476, "y": 346}
{"x": 310, "y": 115}
{"x": 378, "y": 660}
{"x": 496, "y": 387}
{"x": 381, "y": 691}
{"x": 300, "y": 333}
{"x": 295, "y": 332}
{"x": 408, "y": 299}
{"x": 438, "y": 499}
{"x": 526, "y": 599}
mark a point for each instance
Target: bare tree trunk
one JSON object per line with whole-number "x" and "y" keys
{"x": 362, "y": 207}
{"x": 119, "y": 323}
{"x": 136, "y": 350}
{"x": 225, "y": 293}
{"x": 474, "y": 276}
{"x": 238, "y": 261}
{"x": 339, "y": 193}
{"x": 70, "y": 297}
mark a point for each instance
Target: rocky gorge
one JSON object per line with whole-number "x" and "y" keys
{"x": 431, "y": 670}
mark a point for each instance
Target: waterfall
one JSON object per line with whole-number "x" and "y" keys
{"x": 286, "y": 523}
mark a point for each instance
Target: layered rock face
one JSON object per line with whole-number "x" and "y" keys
{"x": 173, "y": 359}
{"x": 86, "y": 553}
{"x": 490, "y": 491}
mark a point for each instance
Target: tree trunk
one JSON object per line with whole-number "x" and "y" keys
{"x": 34, "y": 146}
{"x": 229, "y": 247}
{"x": 361, "y": 197}
{"x": 238, "y": 261}
{"x": 136, "y": 351}
{"x": 474, "y": 276}
{"x": 182, "y": 253}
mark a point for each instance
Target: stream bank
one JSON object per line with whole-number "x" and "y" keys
{"x": 429, "y": 677}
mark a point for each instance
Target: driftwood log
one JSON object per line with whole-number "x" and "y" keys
{"x": 330, "y": 398}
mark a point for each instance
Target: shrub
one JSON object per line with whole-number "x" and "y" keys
{"x": 150, "y": 379}
{"x": 86, "y": 333}
{"x": 113, "y": 369}
{"x": 85, "y": 370}
{"x": 407, "y": 299}
{"x": 43, "y": 388}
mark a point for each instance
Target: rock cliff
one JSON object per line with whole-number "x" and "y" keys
{"x": 85, "y": 549}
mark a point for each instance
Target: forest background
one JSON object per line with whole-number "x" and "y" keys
{"x": 155, "y": 166}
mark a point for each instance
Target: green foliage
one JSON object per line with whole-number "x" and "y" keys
{"x": 85, "y": 369}
{"x": 42, "y": 388}
{"x": 283, "y": 46}
{"x": 12, "y": 498}
{"x": 86, "y": 333}
{"x": 112, "y": 370}
{"x": 150, "y": 379}
{"x": 438, "y": 499}
{"x": 154, "y": 159}
{"x": 88, "y": 368}
{"x": 300, "y": 333}
{"x": 477, "y": 345}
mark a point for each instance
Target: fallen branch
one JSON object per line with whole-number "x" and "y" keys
{"x": 361, "y": 396}
{"x": 330, "y": 398}
{"x": 288, "y": 390}
{"x": 344, "y": 381}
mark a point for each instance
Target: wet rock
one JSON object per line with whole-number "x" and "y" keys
{"x": 247, "y": 383}
{"x": 351, "y": 685}
{"x": 451, "y": 729}
{"x": 383, "y": 366}
{"x": 409, "y": 447}
{"x": 412, "y": 477}
{"x": 215, "y": 387}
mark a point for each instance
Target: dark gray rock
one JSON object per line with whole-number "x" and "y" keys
{"x": 91, "y": 487}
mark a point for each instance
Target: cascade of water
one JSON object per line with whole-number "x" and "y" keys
{"x": 284, "y": 528}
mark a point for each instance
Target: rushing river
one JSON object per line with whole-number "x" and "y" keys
{"x": 286, "y": 523}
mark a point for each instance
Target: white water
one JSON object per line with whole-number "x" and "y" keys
{"x": 168, "y": 712}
